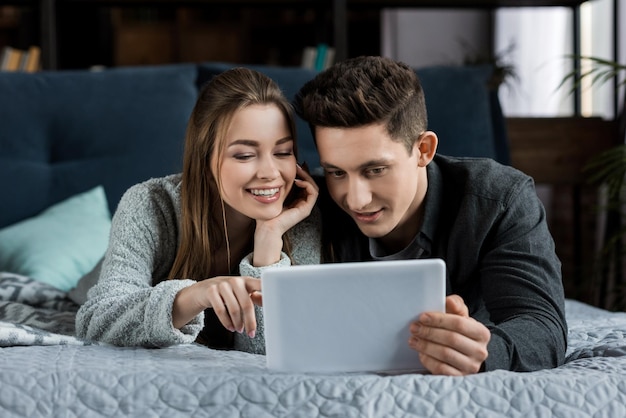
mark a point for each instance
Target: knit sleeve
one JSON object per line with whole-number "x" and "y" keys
{"x": 131, "y": 305}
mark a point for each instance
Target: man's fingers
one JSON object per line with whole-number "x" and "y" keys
{"x": 437, "y": 367}
{"x": 466, "y": 326}
{"x": 457, "y": 341}
{"x": 450, "y": 343}
{"x": 464, "y": 358}
{"x": 455, "y": 305}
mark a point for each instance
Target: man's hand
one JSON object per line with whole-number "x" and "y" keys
{"x": 450, "y": 343}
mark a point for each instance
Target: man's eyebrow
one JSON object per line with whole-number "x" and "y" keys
{"x": 254, "y": 143}
{"x": 327, "y": 165}
{"x": 370, "y": 163}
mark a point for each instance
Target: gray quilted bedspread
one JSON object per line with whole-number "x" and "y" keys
{"x": 47, "y": 373}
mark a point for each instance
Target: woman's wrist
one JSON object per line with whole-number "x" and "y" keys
{"x": 266, "y": 254}
{"x": 268, "y": 245}
{"x": 186, "y": 306}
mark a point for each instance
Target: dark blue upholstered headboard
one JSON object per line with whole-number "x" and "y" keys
{"x": 465, "y": 112}
{"x": 65, "y": 132}
{"x": 62, "y": 133}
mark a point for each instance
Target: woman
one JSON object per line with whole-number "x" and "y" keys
{"x": 177, "y": 242}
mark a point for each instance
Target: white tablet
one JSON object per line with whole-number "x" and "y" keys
{"x": 348, "y": 317}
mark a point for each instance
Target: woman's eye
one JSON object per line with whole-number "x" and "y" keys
{"x": 285, "y": 153}
{"x": 243, "y": 157}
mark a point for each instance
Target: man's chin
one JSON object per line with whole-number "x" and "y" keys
{"x": 370, "y": 231}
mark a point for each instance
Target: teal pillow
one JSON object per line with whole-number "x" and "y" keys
{"x": 62, "y": 243}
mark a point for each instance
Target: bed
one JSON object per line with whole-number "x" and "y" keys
{"x": 46, "y": 371}
{"x": 71, "y": 142}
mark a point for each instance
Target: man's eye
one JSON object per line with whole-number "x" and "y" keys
{"x": 376, "y": 171}
{"x": 335, "y": 173}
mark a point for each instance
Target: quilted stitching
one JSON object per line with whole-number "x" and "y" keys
{"x": 65, "y": 381}
{"x": 190, "y": 380}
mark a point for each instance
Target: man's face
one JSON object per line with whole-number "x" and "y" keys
{"x": 375, "y": 180}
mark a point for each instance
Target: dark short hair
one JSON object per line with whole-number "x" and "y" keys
{"x": 363, "y": 91}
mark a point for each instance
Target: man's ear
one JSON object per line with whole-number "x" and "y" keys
{"x": 426, "y": 147}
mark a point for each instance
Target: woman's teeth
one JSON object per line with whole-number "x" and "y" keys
{"x": 264, "y": 192}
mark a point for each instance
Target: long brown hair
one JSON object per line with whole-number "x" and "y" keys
{"x": 203, "y": 222}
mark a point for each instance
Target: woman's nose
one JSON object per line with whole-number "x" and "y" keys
{"x": 268, "y": 169}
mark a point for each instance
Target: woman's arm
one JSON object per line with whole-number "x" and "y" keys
{"x": 132, "y": 303}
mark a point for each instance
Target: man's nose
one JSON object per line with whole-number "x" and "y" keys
{"x": 359, "y": 194}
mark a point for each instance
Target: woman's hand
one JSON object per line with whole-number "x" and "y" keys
{"x": 231, "y": 297}
{"x": 268, "y": 236}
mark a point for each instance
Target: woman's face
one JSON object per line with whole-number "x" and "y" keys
{"x": 258, "y": 162}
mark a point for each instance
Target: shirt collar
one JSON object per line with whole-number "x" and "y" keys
{"x": 433, "y": 203}
{"x": 421, "y": 245}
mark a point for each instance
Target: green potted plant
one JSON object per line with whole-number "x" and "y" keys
{"x": 608, "y": 168}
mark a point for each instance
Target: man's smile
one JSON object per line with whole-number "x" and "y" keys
{"x": 367, "y": 217}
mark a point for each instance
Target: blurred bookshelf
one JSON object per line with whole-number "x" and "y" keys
{"x": 18, "y": 26}
{"x": 194, "y": 34}
{"x": 82, "y": 33}
{"x": 18, "y": 60}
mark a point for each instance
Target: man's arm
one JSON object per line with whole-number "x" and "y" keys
{"x": 515, "y": 292}
{"x": 522, "y": 289}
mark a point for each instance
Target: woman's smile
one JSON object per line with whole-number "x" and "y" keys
{"x": 266, "y": 195}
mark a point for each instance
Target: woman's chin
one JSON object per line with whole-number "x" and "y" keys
{"x": 267, "y": 213}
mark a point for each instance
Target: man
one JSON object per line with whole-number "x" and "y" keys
{"x": 400, "y": 200}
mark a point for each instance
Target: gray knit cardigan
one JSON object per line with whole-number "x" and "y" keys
{"x": 131, "y": 305}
